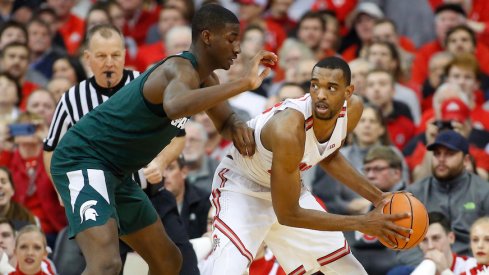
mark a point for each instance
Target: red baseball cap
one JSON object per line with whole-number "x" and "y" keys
{"x": 454, "y": 109}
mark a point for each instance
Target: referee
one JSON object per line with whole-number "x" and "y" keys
{"x": 106, "y": 58}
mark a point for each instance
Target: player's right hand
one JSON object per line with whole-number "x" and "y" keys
{"x": 375, "y": 223}
{"x": 251, "y": 70}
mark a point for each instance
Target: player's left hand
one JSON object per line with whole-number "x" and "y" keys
{"x": 153, "y": 173}
{"x": 243, "y": 138}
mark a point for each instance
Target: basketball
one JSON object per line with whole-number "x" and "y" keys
{"x": 418, "y": 222}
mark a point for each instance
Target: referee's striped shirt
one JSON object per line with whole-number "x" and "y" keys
{"x": 78, "y": 101}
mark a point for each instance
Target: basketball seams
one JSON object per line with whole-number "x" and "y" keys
{"x": 425, "y": 230}
{"x": 412, "y": 219}
{"x": 390, "y": 212}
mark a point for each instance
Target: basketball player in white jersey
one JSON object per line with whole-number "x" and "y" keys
{"x": 261, "y": 198}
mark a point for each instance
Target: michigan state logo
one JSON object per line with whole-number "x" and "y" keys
{"x": 87, "y": 212}
{"x": 179, "y": 123}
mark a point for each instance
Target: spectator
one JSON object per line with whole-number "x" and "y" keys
{"x": 278, "y": 13}
{"x": 436, "y": 247}
{"x": 14, "y": 60}
{"x": 436, "y": 71}
{"x": 69, "y": 68}
{"x": 10, "y": 96}
{"x": 386, "y": 30}
{"x": 380, "y": 92}
{"x": 169, "y": 17}
{"x": 42, "y": 103}
{"x": 385, "y": 56}
{"x": 33, "y": 186}
{"x": 12, "y": 31}
{"x": 58, "y": 86}
{"x": 461, "y": 196}
{"x": 359, "y": 70}
{"x": 250, "y": 13}
{"x": 31, "y": 253}
{"x": 453, "y": 114}
{"x": 70, "y": 26}
{"x": 193, "y": 203}
{"x": 176, "y": 40}
{"x": 446, "y": 17}
{"x": 383, "y": 166}
{"x": 331, "y": 40}
{"x": 310, "y": 31}
{"x": 479, "y": 244}
{"x": 7, "y": 242}
{"x": 362, "y": 21}
{"x": 17, "y": 214}
{"x": 200, "y": 166}
{"x": 291, "y": 53}
{"x": 42, "y": 52}
{"x": 138, "y": 19}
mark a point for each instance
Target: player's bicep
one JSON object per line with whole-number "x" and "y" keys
{"x": 285, "y": 176}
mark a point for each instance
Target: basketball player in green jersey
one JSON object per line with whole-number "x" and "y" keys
{"x": 125, "y": 133}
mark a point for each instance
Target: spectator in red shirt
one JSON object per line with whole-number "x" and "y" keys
{"x": 278, "y": 13}
{"x": 380, "y": 91}
{"x": 70, "y": 26}
{"x": 33, "y": 187}
{"x": 479, "y": 244}
{"x": 446, "y": 17}
{"x": 138, "y": 19}
{"x": 462, "y": 40}
{"x": 250, "y": 12}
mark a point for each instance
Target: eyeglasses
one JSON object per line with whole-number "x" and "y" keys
{"x": 375, "y": 169}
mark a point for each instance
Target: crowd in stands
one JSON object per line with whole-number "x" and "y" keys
{"x": 421, "y": 67}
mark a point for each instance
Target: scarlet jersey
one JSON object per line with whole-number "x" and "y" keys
{"x": 258, "y": 167}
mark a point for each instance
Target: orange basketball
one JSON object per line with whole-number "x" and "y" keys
{"x": 418, "y": 222}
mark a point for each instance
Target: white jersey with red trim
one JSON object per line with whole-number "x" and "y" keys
{"x": 258, "y": 167}
{"x": 462, "y": 264}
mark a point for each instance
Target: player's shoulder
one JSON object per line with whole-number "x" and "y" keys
{"x": 287, "y": 122}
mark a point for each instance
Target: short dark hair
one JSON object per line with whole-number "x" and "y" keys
{"x": 384, "y": 153}
{"x": 465, "y": 28}
{"x": 4, "y": 220}
{"x": 14, "y": 24}
{"x": 334, "y": 62}
{"x": 438, "y": 217}
{"x": 312, "y": 15}
{"x": 394, "y": 55}
{"x": 13, "y": 45}
{"x": 211, "y": 17}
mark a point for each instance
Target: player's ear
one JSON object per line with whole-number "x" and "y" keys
{"x": 205, "y": 35}
{"x": 349, "y": 91}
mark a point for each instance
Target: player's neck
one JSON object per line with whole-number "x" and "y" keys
{"x": 324, "y": 128}
{"x": 204, "y": 64}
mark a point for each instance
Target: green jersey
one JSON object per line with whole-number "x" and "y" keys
{"x": 122, "y": 135}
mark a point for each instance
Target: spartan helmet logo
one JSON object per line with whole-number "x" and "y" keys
{"x": 87, "y": 212}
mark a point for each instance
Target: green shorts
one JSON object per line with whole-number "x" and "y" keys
{"x": 92, "y": 196}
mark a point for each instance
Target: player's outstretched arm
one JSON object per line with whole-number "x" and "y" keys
{"x": 183, "y": 96}
{"x": 229, "y": 125}
{"x": 284, "y": 135}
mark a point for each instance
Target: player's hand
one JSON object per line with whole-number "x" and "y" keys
{"x": 153, "y": 173}
{"x": 243, "y": 138}
{"x": 375, "y": 223}
{"x": 252, "y": 67}
{"x": 438, "y": 258}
